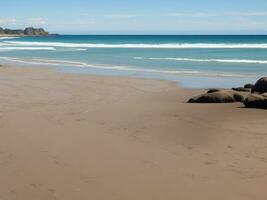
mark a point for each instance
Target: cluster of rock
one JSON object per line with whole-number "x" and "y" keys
{"x": 30, "y": 31}
{"x": 258, "y": 96}
{"x": 252, "y": 96}
{"x": 218, "y": 96}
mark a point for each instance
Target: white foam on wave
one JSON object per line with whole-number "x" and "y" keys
{"x": 26, "y": 48}
{"x": 8, "y": 38}
{"x": 209, "y": 60}
{"x": 80, "y": 49}
{"x": 152, "y": 46}
{"x": 121, "y": 68}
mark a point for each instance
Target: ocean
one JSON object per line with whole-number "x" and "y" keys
{"x": 195, "y": 61}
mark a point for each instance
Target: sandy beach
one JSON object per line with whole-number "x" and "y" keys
{"x": 80, "y": 137}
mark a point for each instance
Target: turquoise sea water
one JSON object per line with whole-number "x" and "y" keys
{"x": 194, "y": 61}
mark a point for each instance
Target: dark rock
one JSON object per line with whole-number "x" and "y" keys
{"x": 249, "y": 85}
{"x": 34, "y": 31}
{"x": 260, "y": 86}
{"x": 29, "y": 31}
{"x": 238, "y": 97}
{"x": 212, "y": 90}
{"x": 255, "y": 101}
{"x": 222, "y": 96}
{"x": 241, "y": 89}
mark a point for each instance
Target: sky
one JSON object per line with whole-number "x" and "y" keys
{"x": 137, "y": 16}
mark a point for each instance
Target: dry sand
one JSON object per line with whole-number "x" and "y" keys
{"x": 81, "y": 137}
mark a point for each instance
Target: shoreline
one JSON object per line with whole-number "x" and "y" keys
{"x": 184, "y": 81}
{"x": 72, "y": 136}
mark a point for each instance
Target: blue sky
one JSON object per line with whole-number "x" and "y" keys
{"x": 138, "y": 16}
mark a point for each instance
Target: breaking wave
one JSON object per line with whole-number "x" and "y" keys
{"x": 26, "y": 48}
{"x": 152, "y": 46}
{"x": 209, "y": 60}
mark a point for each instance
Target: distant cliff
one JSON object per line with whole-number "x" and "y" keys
{"x": 30, "y": 31}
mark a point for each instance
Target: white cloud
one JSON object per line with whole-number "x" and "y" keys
{"x": 208, "y": 14}
{"x": 121, "y": 16}
{"x": 90, "y": 21}
{"x": 36, "y": 21}
{"x": 197, "y": 14}
{"x": 222, "y": 22}
{"x": 6, "y": 21}
{"x": 256, "y": 14}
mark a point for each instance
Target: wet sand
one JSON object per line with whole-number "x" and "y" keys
{"x": 66, "y": 136}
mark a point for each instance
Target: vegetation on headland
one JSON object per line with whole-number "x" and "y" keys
{"x": 29, "y": 31}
